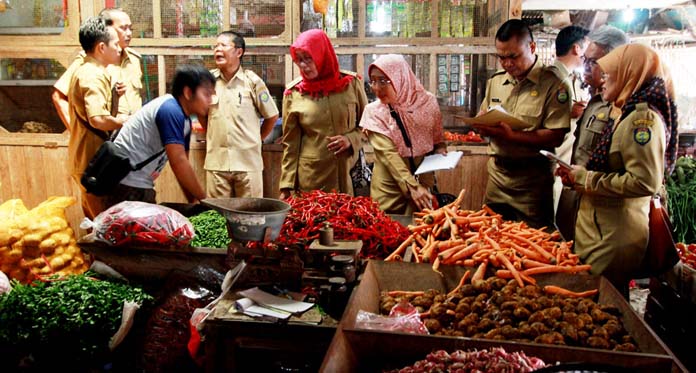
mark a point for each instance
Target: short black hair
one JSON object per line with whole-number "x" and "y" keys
{"x": 92, "y": 32}
{"x": 237, "y": 39}
{"x": 192, "y": 76}
{"x": 567, "y": 37}
{"x": 514, "y": 28}
{"x": 108, "y": 15}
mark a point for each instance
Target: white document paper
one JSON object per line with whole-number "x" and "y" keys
{"x": 493, "y": 116}
{"x": 250, "y": 308}
{"x": 439, "y": 162}
{"x": 271, "y": 301}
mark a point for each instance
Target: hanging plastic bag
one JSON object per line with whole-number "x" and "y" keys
{"x": 140, "y": 223}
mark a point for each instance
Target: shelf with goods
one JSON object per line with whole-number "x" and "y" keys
{"x": 39, "y": 22}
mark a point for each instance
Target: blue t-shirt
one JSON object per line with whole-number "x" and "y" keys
{"x": 160, "y": 122}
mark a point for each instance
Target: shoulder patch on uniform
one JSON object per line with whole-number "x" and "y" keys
{"x": 293, "y": 83}
{"x": 264, "y": 96}
{"x": 643, "y": 123}
{"x": 642, "y": 135}
{"x": 562, "y": 95}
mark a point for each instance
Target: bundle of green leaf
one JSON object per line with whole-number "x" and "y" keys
{"x": 73, "y": 317}
{"x": 211, "y": 230}
{"x": 681, "y": 191}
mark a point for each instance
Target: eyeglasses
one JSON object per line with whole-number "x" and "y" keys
{"x": 305, "y": 60}
{"x": 588, "y": 61}
{"x": 223, "y": 46}
{"x": 380, "y": 82}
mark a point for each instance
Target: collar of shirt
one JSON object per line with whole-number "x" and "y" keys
{"x": 217, "y": 73}
{"x": 533, "y": 74}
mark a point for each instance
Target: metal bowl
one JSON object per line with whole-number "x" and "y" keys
{"x": 251, "y": 219}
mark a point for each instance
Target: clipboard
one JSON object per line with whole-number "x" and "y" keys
{"x": 493, "y": 116}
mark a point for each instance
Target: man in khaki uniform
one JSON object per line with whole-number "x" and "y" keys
{"x": 126, "y": 77}
{"x": 592, "y": 122}
{"x": 571, "y": 43}
{"x": 90, "y": 103}
{"x": 520, "y": 180}
{"x": 233, "y": 160}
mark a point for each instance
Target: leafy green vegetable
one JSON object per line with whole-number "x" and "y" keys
{"x": 76, "y": 315}
{"x": 211, "y": 230}
{"x": 681, "y": 192}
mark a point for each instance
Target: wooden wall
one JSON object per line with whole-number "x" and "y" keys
{"x": 34, "y": 167}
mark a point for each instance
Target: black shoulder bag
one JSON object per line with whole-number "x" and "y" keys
{"x": 442, "y": 198}
{"x": 108, "y": 167}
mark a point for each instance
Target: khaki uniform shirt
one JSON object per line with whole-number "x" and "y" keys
{"x": 128, "y": 72}
{"x": 391, "y": 177}
{"x": 233, "y": 138}
{"x": 307, "y": 163}
{"x": 611, "y": 232}
{"x": 89, "y": 96}
{"x": 577, "y": 93}
{"x": 589, "y": 129}
{"x": 518, "y": 176}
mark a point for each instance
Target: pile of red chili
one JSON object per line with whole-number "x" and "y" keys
{"x": 352, "y": 218}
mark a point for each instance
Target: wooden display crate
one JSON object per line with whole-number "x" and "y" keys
{"x": 356, "y": 349}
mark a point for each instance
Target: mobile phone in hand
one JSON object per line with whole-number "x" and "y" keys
{"x": 555, "y": 158}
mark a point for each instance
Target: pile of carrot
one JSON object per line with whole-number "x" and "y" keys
{"x": 482, "y": 240}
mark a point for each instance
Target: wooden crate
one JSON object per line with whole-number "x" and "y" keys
{"x": 366, "y": 350}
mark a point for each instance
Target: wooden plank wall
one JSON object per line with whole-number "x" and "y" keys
{"x": 35, "y": 167}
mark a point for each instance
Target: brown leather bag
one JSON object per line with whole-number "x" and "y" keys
{"x": 661, "y": 254}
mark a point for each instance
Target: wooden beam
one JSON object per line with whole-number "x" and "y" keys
{"x": 515, "y": 9}
{"x": 362, "y": 19}
{"x": 161, "y": 75}
{"x": 156, "y": 21}
{"x": 432, "y": 73}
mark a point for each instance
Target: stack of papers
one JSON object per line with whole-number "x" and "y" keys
{"x": 258, "y": 303}
{"x": 439, "y": 162}
{"x": 493, "y": 116}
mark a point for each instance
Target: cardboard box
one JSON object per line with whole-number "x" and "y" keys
{"x": 367, "y": 350}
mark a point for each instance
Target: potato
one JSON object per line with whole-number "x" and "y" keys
{"x": 57, "y": 262}
{"x": 32, "y": 239}
{"x": 32, "y": 263}
{"x": 13, "y": 256}
{"x": 31, "y": 251}
{"x": 62, "y": 239}
{"x": 48, "y": 245}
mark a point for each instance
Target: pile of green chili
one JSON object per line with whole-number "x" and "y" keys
{"x": 681, "y": 191}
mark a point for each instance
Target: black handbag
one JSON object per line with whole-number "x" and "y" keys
{"x": 108, "y": 167}
{"x": 661, "y": 253}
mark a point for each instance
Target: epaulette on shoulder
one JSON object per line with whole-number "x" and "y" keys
{"x": 133, "y": 52}
{"x": 556, "y": 71}
{"x": 348, "y": 72}
{"x": 293, "y": 83}
{"x": 499, "y": 72}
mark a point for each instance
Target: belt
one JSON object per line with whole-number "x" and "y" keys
{"x": 510, "y": 162}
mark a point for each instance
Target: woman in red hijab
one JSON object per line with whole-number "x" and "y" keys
{"x": 403, "y": 126}
{"x": 321, "y": 111}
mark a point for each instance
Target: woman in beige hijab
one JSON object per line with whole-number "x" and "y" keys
{"x": 403, "y": 125}
{"x": 628, "y": 165}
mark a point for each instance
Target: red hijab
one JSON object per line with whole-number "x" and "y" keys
{"x": 317, "y": 44}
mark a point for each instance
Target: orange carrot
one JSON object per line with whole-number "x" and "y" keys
{"x": 468, "y": 263}
{"x": 446, "y": 254}
{"x": 551, "y": 289}
{"x": 480, "y": 272}
{"x": 399, "y": 250}
{"x": 398, "y": 293}
{"x": 458, "y": 201}
{"x": 434, "y": 216}
{"x": 529, "y": 263}
{"x": 436, "y": 266}
{"x": 556, "y": 269}
{"x": 506, "y": 262}
{"x": 442, "y": 245}
{"x": 533, "y": 245}
{"x": 529, "y": 279}
{"x": 504, "y": 274}
{"x": 461, "y": 282}
{"x": 465, "y": 252}
{"x": 531, "y": 254}
{"x": 418, "y": 228}
{"x": 416, "y": 253}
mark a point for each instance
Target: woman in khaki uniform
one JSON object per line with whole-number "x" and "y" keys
{"x": 628, "y": 165}
{"x": 321, "y": 111}
{"x": 397, "y": 155}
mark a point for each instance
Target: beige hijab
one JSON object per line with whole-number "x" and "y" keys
{"x": 633, "y": 65}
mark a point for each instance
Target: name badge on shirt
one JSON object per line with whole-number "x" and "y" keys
{"x": 494, "y": 99}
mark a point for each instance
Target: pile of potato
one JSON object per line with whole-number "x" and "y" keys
{"x": 37, "y": 243}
